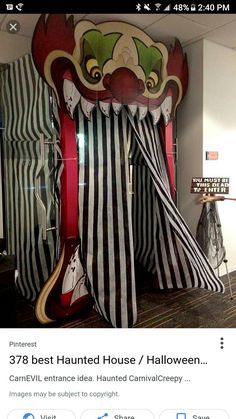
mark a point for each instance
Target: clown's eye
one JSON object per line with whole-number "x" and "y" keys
{"x": 152, "y": 80}
{"x": 93, "y": 69}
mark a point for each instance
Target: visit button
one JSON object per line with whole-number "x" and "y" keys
{"x": 41, "y": 414}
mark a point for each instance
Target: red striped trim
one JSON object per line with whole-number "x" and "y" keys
{"x": 69, "y": 179}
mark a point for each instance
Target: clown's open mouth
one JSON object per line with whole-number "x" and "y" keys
{"x": 72, "y": 97}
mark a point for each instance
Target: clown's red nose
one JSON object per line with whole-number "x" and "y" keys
{"x": 124, "y": 85}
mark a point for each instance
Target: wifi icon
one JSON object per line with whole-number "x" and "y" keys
{"x": 19, "y": 6}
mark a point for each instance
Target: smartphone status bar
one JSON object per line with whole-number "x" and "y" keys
{"x": 135, "y": 6}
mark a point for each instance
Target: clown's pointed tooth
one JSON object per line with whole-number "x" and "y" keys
{"x": 105, "y": 107}
{"x": 71, "y": 96}
{"x": 156, "y": 113}
{"x": 133, "y": 109}
{"x": 80, "y": 289}
{"x": 86, "y": 107}
{"x": 116, "y": 107}
{"x": 142, "y": 110}
{"x": 166, "y": 108}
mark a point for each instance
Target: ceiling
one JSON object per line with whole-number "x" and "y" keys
{"x": 188, "y": 28}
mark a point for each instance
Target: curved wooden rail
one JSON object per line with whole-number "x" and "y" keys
{"x": 49, "y": 306}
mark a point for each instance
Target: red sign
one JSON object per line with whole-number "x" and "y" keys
{"x": 212, "y": 155}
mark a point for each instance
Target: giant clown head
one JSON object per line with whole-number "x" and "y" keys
{"x": 112, "y": 64}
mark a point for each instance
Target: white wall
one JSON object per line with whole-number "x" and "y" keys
{"x": 13, "y": 46}
{"x": 190, "y": 133}
{"x": 219, "y": 132}
{"x": 207, "y": 122}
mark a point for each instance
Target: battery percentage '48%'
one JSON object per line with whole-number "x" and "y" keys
{"x": 181, "y": 7}
{"x": 208, "y": 7}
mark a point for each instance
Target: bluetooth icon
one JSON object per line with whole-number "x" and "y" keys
{"x": 138, "y": 7}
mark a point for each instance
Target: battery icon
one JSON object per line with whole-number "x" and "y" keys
{"x": 193, "y": 7}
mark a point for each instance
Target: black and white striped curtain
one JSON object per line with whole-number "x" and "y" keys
{"x": 180, "y": 263}
{"x": 29, "y": 166}
{"x": 120, "y": 224}
{"x": 105, "y": 216}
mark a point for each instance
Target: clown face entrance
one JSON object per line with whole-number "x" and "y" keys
{"x": 117, "y": 92}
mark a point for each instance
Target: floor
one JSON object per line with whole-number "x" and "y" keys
{"x": 188, "y": 308}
